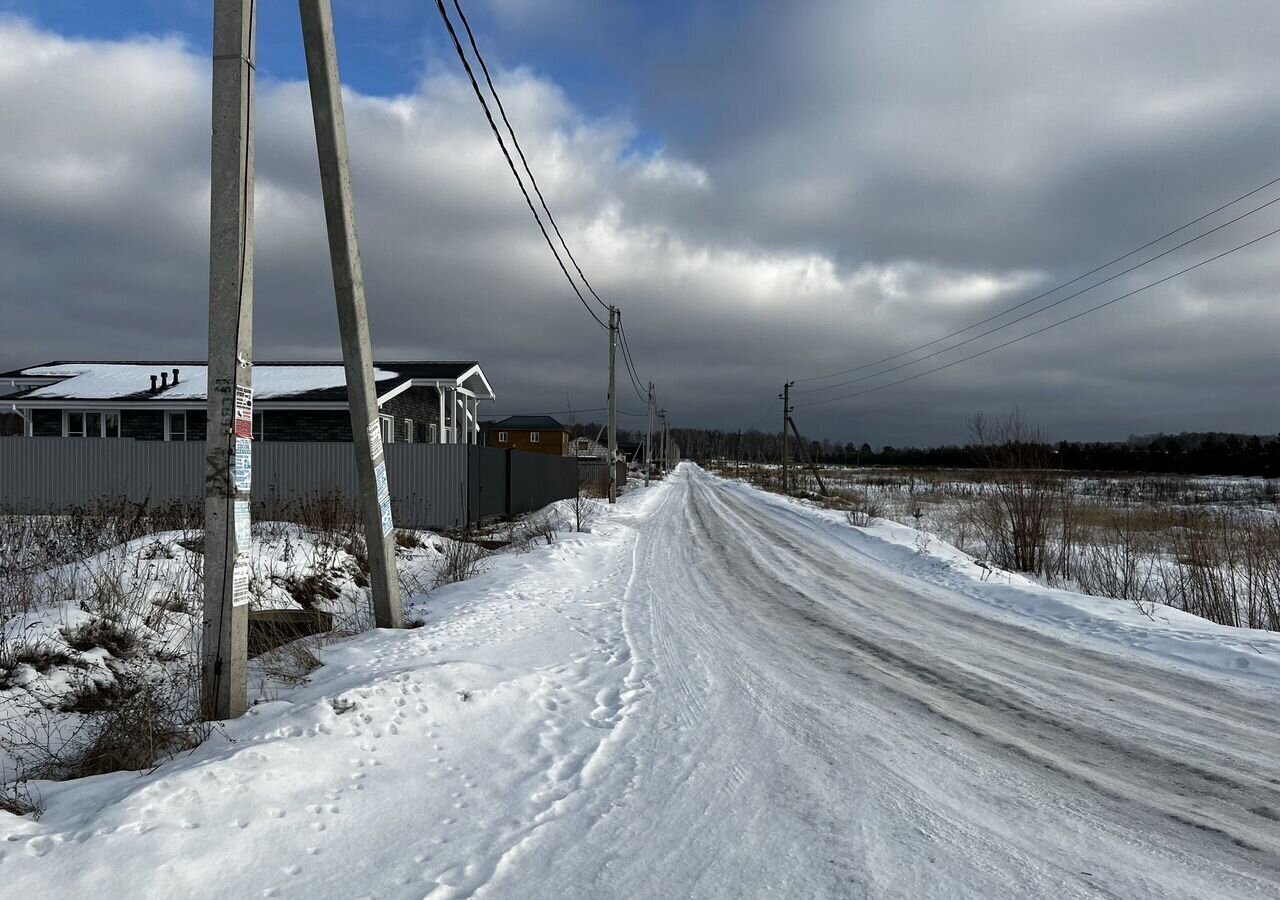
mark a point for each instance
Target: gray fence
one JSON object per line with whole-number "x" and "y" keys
{"x": 432, "y": 485}
{"x": 593, "y": 476}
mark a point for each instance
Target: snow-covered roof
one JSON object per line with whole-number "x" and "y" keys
{"x": 293, "y": 382}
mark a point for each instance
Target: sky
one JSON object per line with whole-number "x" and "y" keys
{"x": 768, "y": 191}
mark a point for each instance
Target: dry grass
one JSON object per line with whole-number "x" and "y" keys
{"x": 1210, "y": 547}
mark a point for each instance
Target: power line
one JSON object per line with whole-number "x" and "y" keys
{"x": 1034, "y": 312}
{"x": 1046, "y": 327}
{"x": 767, "y": 413}
{"x": 475, "y": 85}
{"x": 636, "y": 380}
{"x": 1040, "y": 296}
{"x": 525, "y": 162}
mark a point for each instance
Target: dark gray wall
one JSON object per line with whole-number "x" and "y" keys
{"x": 143, "y": 424}
{"x": 46, "y": 423}
{"x": 422, "y": 405}
{"x": 306, "y": 425}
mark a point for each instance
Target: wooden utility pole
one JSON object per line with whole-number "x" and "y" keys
{"x": 613, "y": 404}
{"x": 353, "y": 321}
{"x": 228, "y": 435}
{"x": 785, "y": 396}
{"x": 648, "y": 460}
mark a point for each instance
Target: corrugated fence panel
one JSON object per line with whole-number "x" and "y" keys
{"x": 47, "y": 474}
{"x": 432, "y": 486}
{"x": 428, "y": 484}
{"x": 490, "y": 483}
{"x": 538, "y": 479}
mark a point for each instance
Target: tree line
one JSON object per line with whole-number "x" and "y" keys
{"x": 1187, "y": 453}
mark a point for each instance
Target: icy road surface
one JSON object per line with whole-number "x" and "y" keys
{"x": 717, "y": 694}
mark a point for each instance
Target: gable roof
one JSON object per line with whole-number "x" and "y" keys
{"x": 528, "y": 423}
{"x": 281, "y": 382}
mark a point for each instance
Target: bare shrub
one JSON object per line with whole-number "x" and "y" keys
{"x": 289, "y": 663}
{"x": 1122, "y": 562}
{"x": 144, "y": 724}
{"x": 459, "y": 560}
{"x": 408, "y": 540}
{"x": 17, "y": 797}
{"x": 863, "y": 507}
{"x": 1015, "y": 516}
{"x": 585, "y": 512}
{"x": 541, "y": 527}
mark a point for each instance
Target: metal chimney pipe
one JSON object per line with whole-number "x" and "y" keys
{"x": 164, "y": 380}
{"x": 153, "y": 384}
{"x": 175, "y": 376}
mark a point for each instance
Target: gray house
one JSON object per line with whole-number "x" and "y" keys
{"x": 419, "y": 402}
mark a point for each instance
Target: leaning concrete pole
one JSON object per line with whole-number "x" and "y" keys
{"x": 228, "y": 461}
{"x": 613, "y": 404}
{"x": 353, "y": 322}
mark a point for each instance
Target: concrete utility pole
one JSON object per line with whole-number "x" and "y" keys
{"x": 648, "y": 460}
{"x": 353, "y": 321}
{"x": 613, "y": 404}
{"x": 666, "y": 445}
{"x": 813, "y": 467}
{"x": 228, "y": 460}
{"x": 786, "y": 414}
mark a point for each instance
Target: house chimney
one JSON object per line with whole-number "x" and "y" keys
{"x": 153, "y": 383}
{"x": 175, "y": 376}
{"x": 164, "y": 380}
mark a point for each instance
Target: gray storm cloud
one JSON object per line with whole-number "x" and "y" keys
{"x": 837, "y": 184}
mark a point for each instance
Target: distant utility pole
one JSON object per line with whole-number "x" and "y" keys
{"x": 662, "y": 414}
{"x": 648, "y": 460}
{"x": 785, "y": 396}
{"x": 613, "y": 404}
{"x": 228, "y": 435}
{"x": 353, "y": 320}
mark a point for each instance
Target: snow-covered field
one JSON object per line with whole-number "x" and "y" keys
{"x": 716, "y": 693}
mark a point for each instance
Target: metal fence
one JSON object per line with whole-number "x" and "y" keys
{"x": 593, "y": 476}
{"x": 439, "y": 486}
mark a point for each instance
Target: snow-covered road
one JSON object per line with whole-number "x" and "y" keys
{"x": 817, "y": 726}
{"x": 718, "y": 694}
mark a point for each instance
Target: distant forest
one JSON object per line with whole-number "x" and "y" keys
{"x": 1189, "y": 453}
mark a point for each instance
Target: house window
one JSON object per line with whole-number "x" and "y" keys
{"x": 90, "y": 423}
{"x": 388, "y": 424}
{"x": 535, "y": 437}
{"x": 432, "y": 433}
{"x": 175, "y": 425}
{"x": 502, "y": 437}
{"x": 408, "y": 431}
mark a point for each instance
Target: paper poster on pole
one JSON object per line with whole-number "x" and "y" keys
{"x": 240, "y": 585}
{"x": 384, "y": 507}
{"x": 375, "y": 439}
{"x": 240, "y": 512}
{"x": 243, "y": 470}
{"x": 244, "y": 412}
{"x": 384, "y": 496}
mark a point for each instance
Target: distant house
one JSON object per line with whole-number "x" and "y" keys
{"x": 418, "y": 402}
{"x": 588, "y": 448}
{"x": 534, "y": 434}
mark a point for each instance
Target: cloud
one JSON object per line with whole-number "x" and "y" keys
{"x": 806, "y": 212}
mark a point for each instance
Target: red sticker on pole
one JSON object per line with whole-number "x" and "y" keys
{"x": 244, "y": 412}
